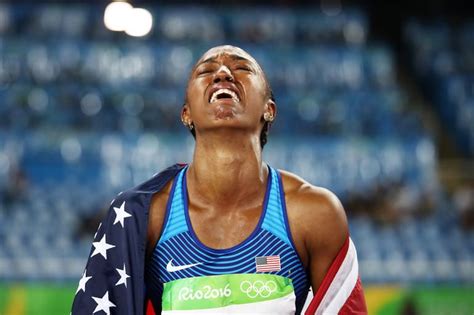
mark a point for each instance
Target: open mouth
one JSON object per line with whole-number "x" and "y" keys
{"x": 224, "y": 94}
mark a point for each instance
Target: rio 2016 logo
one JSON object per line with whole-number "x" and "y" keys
{"x": 206, "y": 292}
{"x": 258, "y": 288}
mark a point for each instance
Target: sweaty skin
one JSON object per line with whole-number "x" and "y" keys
{"x": 227, "y": 177}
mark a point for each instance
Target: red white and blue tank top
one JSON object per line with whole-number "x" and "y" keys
{"x": 261, "y": 275}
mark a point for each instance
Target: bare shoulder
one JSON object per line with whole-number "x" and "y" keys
{"x": 311, "y": 200}
{"x": 315, "y": 213}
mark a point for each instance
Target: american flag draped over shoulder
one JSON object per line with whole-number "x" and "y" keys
{"x": 113, "y": 280}
{"x": 341, "y": 290}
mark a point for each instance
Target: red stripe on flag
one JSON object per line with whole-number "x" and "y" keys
{"x": 355, "y": 304}
{"x": 328, "y": 278}
{"x": 149, "y": 308}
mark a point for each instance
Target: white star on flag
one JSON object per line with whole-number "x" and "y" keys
{"x": 83, "y": 281}
{"x": 101, "y": 247}
{"x": 103, "y": 303}
{"x": 123, "y": 276}
{"x": 121, "y": 214}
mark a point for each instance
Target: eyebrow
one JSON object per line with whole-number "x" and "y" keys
{"x": 213, "y": 59}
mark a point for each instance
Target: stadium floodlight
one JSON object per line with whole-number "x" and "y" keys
{"x": 116, "y": 15}
{"x": 140, "y": 22}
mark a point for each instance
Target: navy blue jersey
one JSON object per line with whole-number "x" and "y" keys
{"x": 262, "y": 274}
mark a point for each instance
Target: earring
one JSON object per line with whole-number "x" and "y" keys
{"x": 189, "y": 125}
{"x": 268, "y": 117}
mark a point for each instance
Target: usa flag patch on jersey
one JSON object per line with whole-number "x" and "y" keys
{"x": 268, "y": 263}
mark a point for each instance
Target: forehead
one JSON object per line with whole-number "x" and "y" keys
{"x": 226, "y": 51}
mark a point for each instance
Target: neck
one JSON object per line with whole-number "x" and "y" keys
{"x": 227, "y": 169}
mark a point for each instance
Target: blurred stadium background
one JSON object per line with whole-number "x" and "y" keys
{"x": 375, "y": 100}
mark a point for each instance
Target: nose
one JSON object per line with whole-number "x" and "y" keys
{"x": 223, "y": 74}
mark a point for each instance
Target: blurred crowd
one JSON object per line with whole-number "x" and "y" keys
{"x": 86, "y": 113}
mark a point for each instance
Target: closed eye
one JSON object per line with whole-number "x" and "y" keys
{"x": 243, "y": 68}
{"x": 205, "y": 69}
{"x": 204, "y": 72}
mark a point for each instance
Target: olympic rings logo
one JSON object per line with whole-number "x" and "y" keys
{"x": 258, "y": 288}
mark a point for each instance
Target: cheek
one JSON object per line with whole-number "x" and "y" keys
{"x": 256, "y": 98}
{"x": 256, "y": 88}
{"x": 195, "y": 91}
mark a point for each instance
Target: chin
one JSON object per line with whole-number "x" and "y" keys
{"x": 224, "y": 113}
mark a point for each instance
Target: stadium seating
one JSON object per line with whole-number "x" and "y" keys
{"x": 86, "y": 113}
{"x": 442, "y": 57}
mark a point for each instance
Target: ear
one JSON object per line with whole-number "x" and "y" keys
{"x": 270, "y": 107}
{"x": 186, "y": 114}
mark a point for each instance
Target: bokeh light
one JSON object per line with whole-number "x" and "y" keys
{"x": 140, "y": 22}
{"x": 117, "y": 15}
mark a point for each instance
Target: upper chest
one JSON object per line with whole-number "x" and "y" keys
{"x": 221, "y": 228}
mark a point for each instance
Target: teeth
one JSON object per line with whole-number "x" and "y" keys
{"x": 235, "y": 98}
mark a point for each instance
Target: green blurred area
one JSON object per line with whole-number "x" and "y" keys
{"x": 56, "y": 299}
{"x": 431, "y": 301}
{"x": 36, "y": 299}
